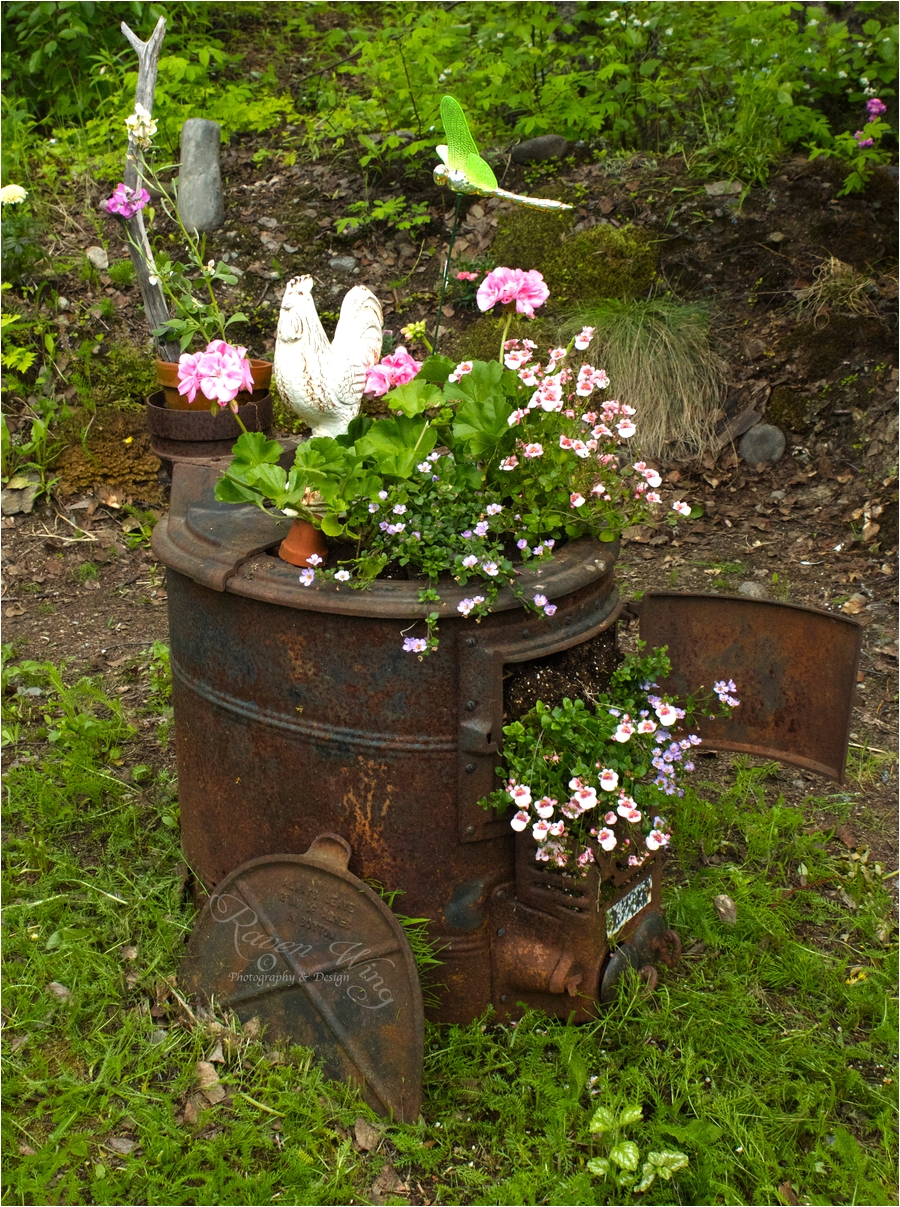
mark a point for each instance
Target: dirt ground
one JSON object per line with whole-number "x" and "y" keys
{"x": 817, "y": 528}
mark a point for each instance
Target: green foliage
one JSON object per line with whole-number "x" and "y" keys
{"x": 623, "y": 1156}
{"x": 121, "y": 273}
{"x": 513, "y": 472}
{"x": 598, "y": 263}
{"x": 610, "y": 752}
{"x": 397, "y": 212}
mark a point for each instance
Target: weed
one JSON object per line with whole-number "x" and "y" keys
{"x": 121, "y": 273}
{"x": 86, "y": 571}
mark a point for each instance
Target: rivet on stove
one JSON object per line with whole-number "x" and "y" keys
{"x": 501, "y": 932}
{"x": 471, "y": 641}
{"x": 526, "y": 632}
{"x": 504, "y": 997}
{"x": 470, "y": 767}
{"x": 470, "y": 829}
{"x": 471, "y": 705}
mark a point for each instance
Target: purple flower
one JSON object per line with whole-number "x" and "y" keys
{"x": 522, "y": 544}
{"x": 125, "y": 201}
{"x": 414, "y": 645}
{"x": 481, "y": 528}
{"x": 862, "y": 141}
{"x": 467, "y": 534}
{"x": 306, "y": 577}
{"x": 875, "y": 108}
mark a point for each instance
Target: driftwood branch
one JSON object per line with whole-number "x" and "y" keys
{"x": 138, "y": 244}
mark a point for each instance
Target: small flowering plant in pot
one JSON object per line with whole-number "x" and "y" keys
{"x": 480, "y": 468}
{"x": 221, "y": 373}
{"x": 590, "y": 785}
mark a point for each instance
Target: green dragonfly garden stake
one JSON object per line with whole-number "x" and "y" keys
{"x": 467, "y": 174}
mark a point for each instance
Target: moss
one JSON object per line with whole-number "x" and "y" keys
{"x": 788, "y": 409}
{"x": 121, "y": 377}
{"x": 117, "y": 454}
{"x": 481, "y": 340}
{"x": 600, "y": 262}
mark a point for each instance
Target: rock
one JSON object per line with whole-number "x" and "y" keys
{"x": 753, "y": 590}
{"x": 60, "y": 991}
{"x": 722, "y": 188}
{"x": 535, "y": 150}
{"x": 63, "y": 303}
{"x": 725, "y": 908}
{"x": 342, "y": 263}
{"x": 777, "y": 496}
{"x": 755, "y": 349}
{"x": 200, "y": 203}
{"x": 269, "y": 223}
{"x": 763, "y": 443}
{"x": 159, "y": 1036}
{"x": 97, "y": 258}
{"x": 17, "y": 497}
{"x": 775, "y": 237}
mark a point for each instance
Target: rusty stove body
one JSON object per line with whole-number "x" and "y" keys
{"x": 297, "y": 712}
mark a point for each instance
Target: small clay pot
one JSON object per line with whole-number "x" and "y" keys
{"x": 167, "y": 376}
{"x": 302, "y": 542}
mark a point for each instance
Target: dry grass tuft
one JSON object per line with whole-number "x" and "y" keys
{"x": 838, "y": 286}
{"x": 659, "y": 360}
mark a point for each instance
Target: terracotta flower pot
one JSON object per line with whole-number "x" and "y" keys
{"x": 302, "y": 542}
{"x": 167, "y": 376}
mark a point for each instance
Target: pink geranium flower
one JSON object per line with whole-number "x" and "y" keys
{"x": 507, "y": 285}
{"x": 394, "y": 370}
{"x": 220, "y": 373}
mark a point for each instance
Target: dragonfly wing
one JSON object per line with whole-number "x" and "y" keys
{"x": 461, "y": 143}
{"x": 443, "y": 154}
{"x": 479, "y": 173}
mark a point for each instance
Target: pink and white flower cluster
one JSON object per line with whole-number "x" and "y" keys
{"x": 551, "y": 823}
{"x": 508, "y": 285}
{"x": 125, "y": 201}
{"x": 220, "y": 372}
{"x": 394, "y": 370}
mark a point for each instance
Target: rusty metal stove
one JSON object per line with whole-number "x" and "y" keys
{"x": 297, "y": 712}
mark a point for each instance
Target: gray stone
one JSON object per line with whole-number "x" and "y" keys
{"x": 753, "y": 590}
{"x": 63, "y": 303}
{"x": 200, "y": 203}
{"x": 270, "y": 224}
{"x": 534, "y": 150}
{"x": 97, "y": 258}
{"x": 17, "y": 497}
{"x": 159, "y": 1036}
{"x": 342, "y": 263}
{"x": 763, "y": 443}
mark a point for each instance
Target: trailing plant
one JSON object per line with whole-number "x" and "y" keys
{"x": 591, "y": 780}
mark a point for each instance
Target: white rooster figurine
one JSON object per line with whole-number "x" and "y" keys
{"x": 324, "y": 382}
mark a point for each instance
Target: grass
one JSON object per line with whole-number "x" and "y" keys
{"x": 659, "y": 360}
{"x": 837, "y": 286}
{"x": 765, "y": 1057}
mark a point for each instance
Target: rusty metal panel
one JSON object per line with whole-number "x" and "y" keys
{"x": 318, "y": 957}
{"x": 795, "y": 668}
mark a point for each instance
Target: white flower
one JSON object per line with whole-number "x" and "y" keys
{"x": 141, "y": 126}
{"x": 609, "y": 780}
{"x": 520, "y": 821}
{"x": 342, "y": 576}
{"x": 607, "y": 839}
{"x": 540, "y": 830}
{"x": 306, "y": 577}
{"x": 521, "y": 795}
{"x": 544, "y": 807}
{"x": 666, "y": 713}
{"x": 314, "y": 560}
{"x": 12, "y": 194}
{"x": 682, "y": 508}
{"x": 656, "y": 839}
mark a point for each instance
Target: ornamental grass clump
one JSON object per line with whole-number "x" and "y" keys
{"x": 482, "y": 468}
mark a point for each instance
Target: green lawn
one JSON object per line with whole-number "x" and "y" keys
{"x": 766, "y": 1058}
